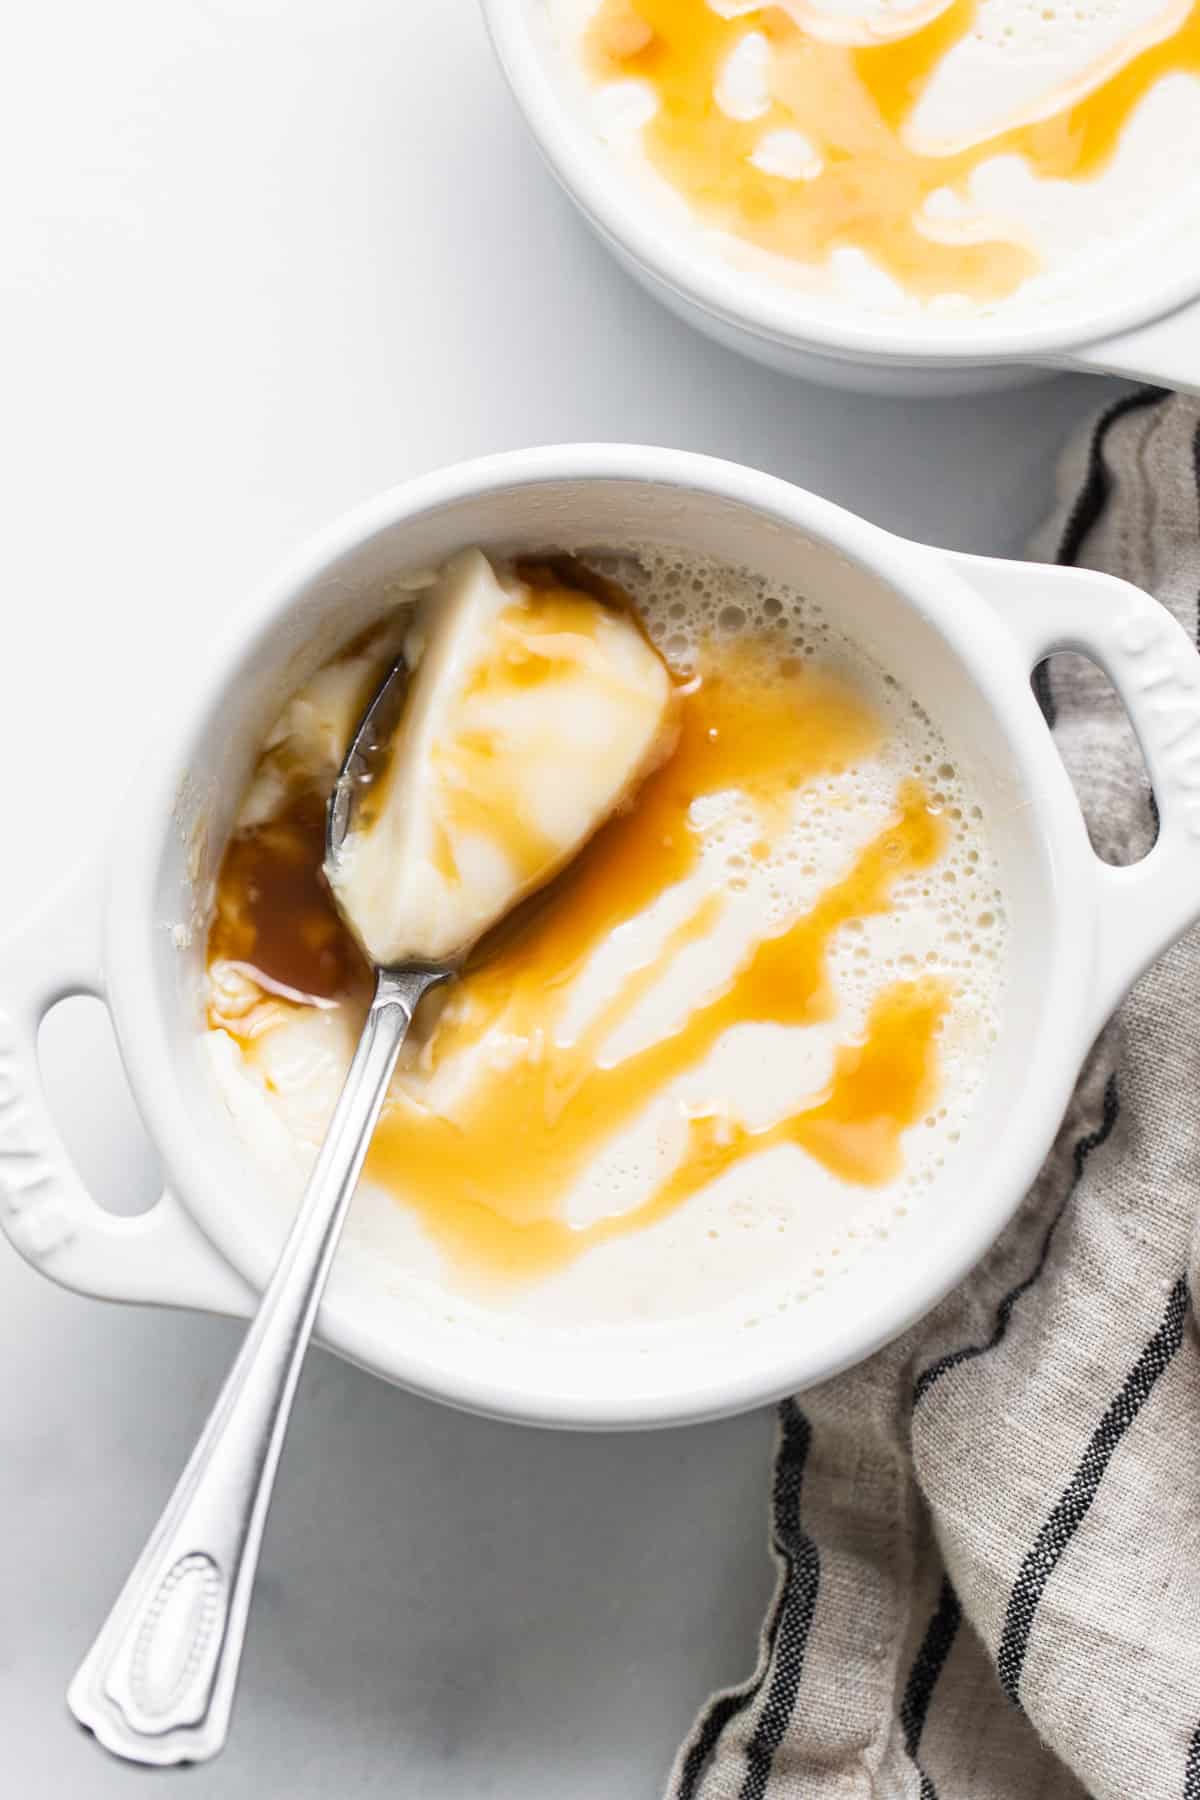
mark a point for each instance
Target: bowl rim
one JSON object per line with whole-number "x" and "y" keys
{"x": 925, "y": 580}
{"x": 594, "y": 181}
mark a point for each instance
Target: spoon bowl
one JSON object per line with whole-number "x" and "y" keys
{"x": 360, "y": 764}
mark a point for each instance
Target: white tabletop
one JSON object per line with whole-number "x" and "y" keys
{"x": 261, "y": 258}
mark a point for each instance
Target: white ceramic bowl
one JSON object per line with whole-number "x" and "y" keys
{"x": 961, "y": 632}
{"x": 1136, "y": 312}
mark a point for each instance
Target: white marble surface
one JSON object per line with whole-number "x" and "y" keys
{"x": 260, "y": 258}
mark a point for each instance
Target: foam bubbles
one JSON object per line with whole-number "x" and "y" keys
{"x": 948, "y": 921}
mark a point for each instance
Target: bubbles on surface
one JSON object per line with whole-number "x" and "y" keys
{"x": 947, "y": 921}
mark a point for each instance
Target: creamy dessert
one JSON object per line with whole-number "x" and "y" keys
{"x": 532, "y": 711}
{"x": 732, "y": 1040}
{"x": 958, "y": 155}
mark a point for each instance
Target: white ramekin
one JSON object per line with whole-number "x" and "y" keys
{"x": 962, "y": 633}
{"x": 1146, "y": 325}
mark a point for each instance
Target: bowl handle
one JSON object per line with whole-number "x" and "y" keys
{"x": 1153, "y": 664}
{"x": 46, "y": 1213}
{"x": 1165, "y": 353}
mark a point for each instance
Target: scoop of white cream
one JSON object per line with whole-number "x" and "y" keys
{"x": 531, "y": 713}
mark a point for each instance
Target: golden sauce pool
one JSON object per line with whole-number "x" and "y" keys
{"x": 275, "y": 916}
{"x": 489, "y": 1173}
{"x": 852, "y": 102}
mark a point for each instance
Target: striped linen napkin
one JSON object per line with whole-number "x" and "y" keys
{"x": 988, "y": 1536}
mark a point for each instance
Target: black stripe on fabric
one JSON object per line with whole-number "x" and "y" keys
{"x": 1086, "y": 509}
{"x": 930, "y": 1660}
{"x": 728, "y": 1706}
{"x": 724, "y": 1710}
{"x": 1191, "y": 1774}
{"x": 802, "y": 1579}
{"x": 1004, "y": 1312}
{"x": 1076, "y": 1498}
{"x": 1089, "y": 502}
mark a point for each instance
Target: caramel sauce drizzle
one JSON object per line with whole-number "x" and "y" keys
{"x": 489, "y": 1175}
{"x": 489, "y": 1183}
{"x": 852, "y": 101}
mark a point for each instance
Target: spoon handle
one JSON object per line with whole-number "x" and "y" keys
{"x": 157, "y": 1685}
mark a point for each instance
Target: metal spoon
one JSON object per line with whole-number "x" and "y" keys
{"x": 157, "y": 1686}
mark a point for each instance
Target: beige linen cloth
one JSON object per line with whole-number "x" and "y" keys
{"x": 988, "y": 1536}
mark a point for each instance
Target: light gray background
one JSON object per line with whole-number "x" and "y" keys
{"x": 259, "y": 259}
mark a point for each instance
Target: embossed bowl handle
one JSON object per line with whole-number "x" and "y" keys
{"x": 159, "y": 1256}
{"x": 1155, "y": 668}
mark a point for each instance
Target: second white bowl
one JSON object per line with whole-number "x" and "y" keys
{"x": 1138, "y": 315}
